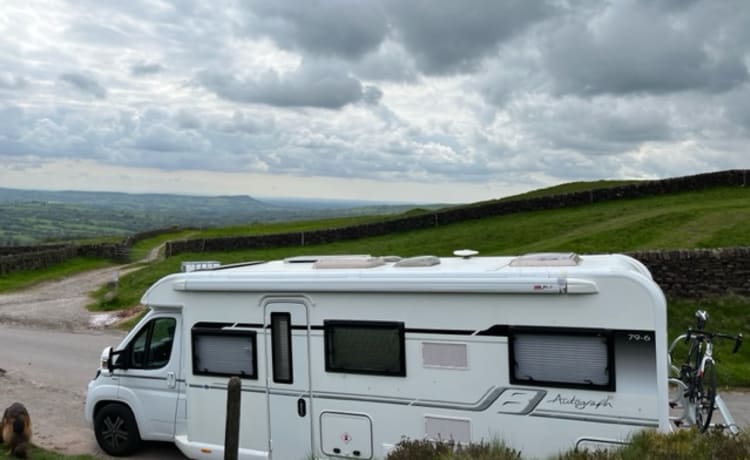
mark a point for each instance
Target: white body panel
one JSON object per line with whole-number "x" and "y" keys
{"x": 458, "y": 320}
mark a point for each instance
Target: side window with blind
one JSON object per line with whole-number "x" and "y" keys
{"x": 222, "y": 351}
{"x": 365, "y": 347}
{"x": 561, "y": 358}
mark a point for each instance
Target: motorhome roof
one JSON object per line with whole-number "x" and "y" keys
{"x": 544, "y": 263}
{"x": 451, "y": 275}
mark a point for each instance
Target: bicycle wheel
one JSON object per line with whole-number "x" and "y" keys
{"x": 706, "y": 397}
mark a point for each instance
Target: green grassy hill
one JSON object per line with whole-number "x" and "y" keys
{"x": 711, "y": 218}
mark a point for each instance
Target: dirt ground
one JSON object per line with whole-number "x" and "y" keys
{"x": 58, "y": 304}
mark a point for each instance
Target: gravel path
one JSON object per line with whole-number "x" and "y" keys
{"x": 58, "y": 304}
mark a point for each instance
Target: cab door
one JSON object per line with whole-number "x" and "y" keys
{"x": 288, "y": 381}
{"x": 148, "y": 369}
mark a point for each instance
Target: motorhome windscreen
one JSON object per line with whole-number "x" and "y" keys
{"x": 572, "y": 359}
{"x": 223, "y": 352}
{"x": 365, "y": 347}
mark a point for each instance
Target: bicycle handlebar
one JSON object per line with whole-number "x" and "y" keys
{"x": 712, "y": 335}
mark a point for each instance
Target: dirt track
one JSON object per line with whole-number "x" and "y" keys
{"x": 57, "y": 304}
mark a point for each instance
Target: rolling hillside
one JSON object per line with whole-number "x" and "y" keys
{"x": 32, "y": 216}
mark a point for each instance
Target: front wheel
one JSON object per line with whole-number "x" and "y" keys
{"x": 116, "y": 430}
{"x": 706, "y": 397}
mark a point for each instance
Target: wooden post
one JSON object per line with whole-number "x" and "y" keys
{"x": 232, "y": 432}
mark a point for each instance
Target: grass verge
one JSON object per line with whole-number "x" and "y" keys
{"x": 646, "y": 445}
{"x": 24, "y": 279}
{"x": 37, "y": 453}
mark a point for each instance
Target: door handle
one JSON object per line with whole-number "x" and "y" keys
{"x": 171, "y": 380}
{"x": 301, "y": 407}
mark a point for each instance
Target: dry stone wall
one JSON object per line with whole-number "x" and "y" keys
{"x": 699, "y": 273}
{"x": 731, "y": 178}
{"x": 20, "y": 258}
{"x": 44, "y": 257}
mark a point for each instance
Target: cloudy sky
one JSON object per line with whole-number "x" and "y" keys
{"x": 419, "y": 100}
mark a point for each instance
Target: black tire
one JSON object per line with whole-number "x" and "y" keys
{"x": 706, "y": 397}
{"x": 116, "y": 430}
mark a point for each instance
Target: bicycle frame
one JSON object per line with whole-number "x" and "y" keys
{"x": 685, "y": 378}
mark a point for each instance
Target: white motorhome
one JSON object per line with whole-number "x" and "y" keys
{"x": 345, "y": 356}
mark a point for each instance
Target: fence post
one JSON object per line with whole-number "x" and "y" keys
{"x": 232, "y": 432}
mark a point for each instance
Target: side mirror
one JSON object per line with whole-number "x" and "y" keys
{"x": 121, "y": 363}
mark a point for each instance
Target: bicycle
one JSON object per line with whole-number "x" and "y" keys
{"x": 695, "y": 381}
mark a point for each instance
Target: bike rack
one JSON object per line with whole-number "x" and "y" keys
{"x": 726, "y": 415}
{"x": 686, "y": 418}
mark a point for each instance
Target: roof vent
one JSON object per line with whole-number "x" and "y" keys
{"x": 465, "y": 253}
{"x": 312, "y": 258}
{"x": 419, "y": 261}
{"x": 349, "y": 262}
{"x": 547, "y": 259}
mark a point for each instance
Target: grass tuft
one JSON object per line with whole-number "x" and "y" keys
{"x": 449, "y": 450}
{"x": 646, "y": 445}
{"x": 37, "y": 453}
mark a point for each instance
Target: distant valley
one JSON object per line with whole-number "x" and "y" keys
{"x": 33, "y": 216}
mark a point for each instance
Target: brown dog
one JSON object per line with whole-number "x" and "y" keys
{"x": 15, "y": 429}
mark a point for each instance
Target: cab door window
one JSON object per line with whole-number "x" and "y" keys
{"x": 152, "y": 347}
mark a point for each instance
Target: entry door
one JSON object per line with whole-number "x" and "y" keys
{"x": 288, "y": 379}
{"x": 150, "y": 379}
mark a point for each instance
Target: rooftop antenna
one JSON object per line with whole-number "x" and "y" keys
{"x": 465, "y": 253}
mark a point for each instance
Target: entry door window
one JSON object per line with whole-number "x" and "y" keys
{"x": 152, "y": 347}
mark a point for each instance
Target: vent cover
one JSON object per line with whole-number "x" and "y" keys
{"x": 349, "y": 262}
{"x": 447, "y": 429}
{"x": 547, "y": 259}
{"x": 445, "y": 355}
{"x": 420, "y": 261}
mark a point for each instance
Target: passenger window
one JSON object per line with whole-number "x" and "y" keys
{"x": 152, "y": 347}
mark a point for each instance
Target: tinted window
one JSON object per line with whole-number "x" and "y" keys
{"x": 365, "y": 347}
{"x": 152, "y": 347}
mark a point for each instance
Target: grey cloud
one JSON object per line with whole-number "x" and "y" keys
{"x": 594, "y": 128}
{"x": 631, "y": 48}
{"x": 188, "y": 120}
{"x": 390, "y": 62}
{"x": 325, "y": 27}
{"x": 87, "y": 32}
{"x": 11, "y": 81}
{"x": 245, "y": 124}
{"x": 84, "y": 84}
{"x": 165, "y": 139}
{"x": 450, "y": 36}
{"x": 314, "y": 85}
{"x": 146, "y": 68}
{"x": 737, "y": 106}
{"x": 372, "y": 95}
